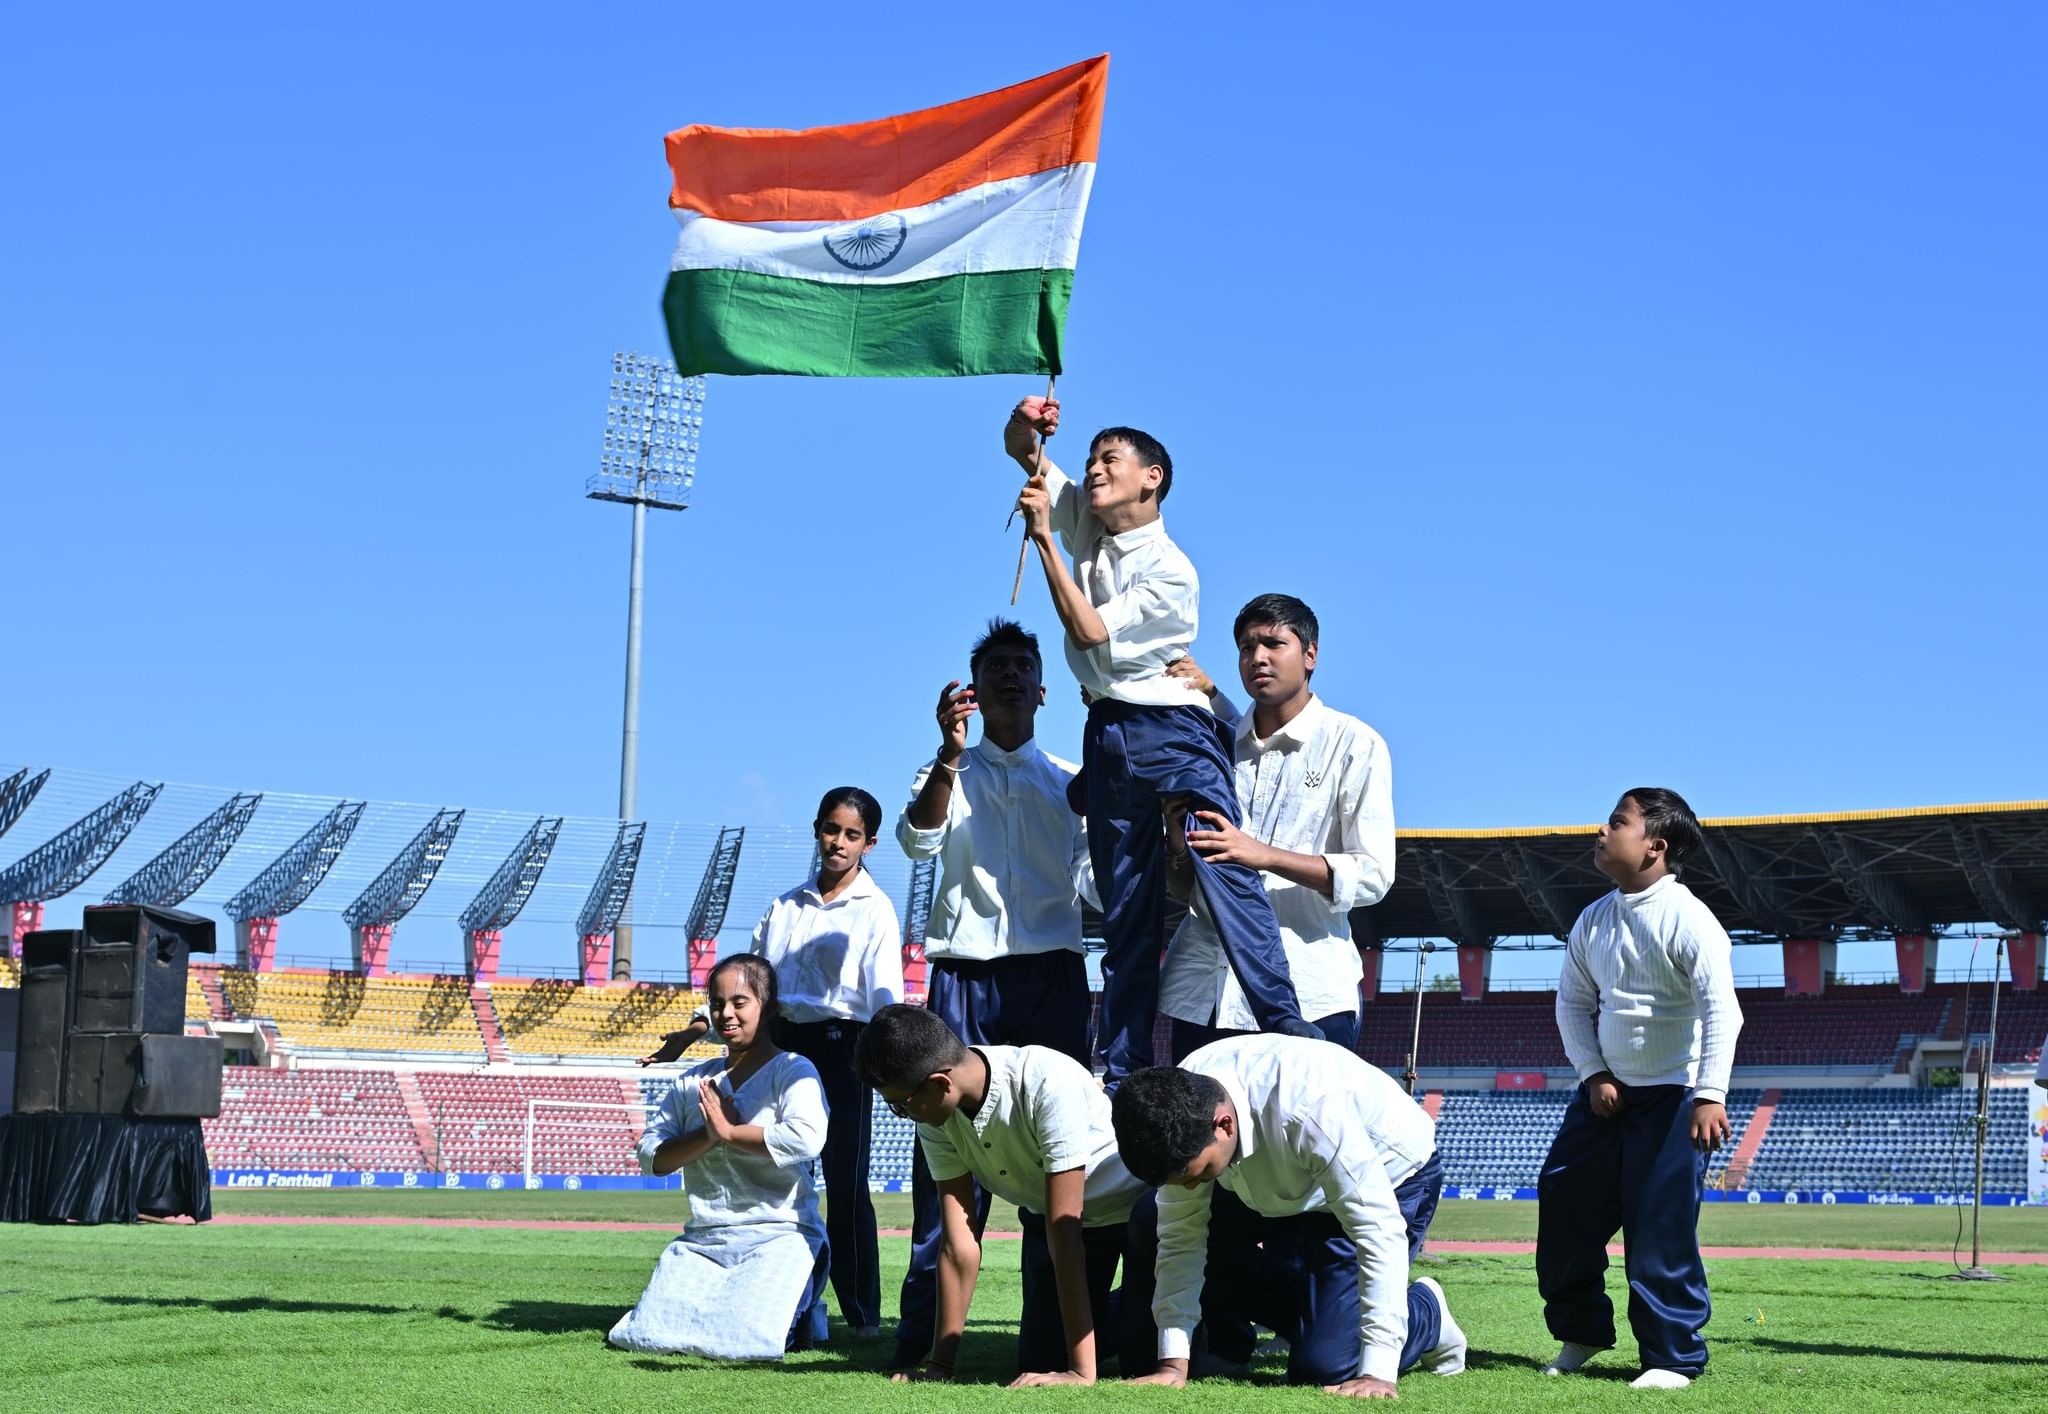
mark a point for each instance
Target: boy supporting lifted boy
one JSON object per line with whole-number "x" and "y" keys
{"x": 1318, "y": 796}
{"x": 1032, "y": 1126}
{"x": 1129, "y": 610}
{"x": 1646, "y": 1005}
{"x": 1299, "y": 1182}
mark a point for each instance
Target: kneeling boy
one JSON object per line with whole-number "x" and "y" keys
{"x": 1301, "y": 1180}
{"x": 1030, "y": 1125}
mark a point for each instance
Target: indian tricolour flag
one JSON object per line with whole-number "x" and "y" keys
{"x": 939, "y": 242}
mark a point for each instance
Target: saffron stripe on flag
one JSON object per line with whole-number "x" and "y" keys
{"x": 861, "y": 169}
{"x": 735, "y": 321}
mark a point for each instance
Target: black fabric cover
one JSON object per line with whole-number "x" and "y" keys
{"x": 102, "y": 1169}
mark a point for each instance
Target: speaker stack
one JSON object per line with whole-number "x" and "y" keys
{"x": 102, "y": 1018}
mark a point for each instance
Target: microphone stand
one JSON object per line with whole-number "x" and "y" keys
{"x": 1415, "y": 1041}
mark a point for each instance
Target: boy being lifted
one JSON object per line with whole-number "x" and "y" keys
{"x": 1128, "y": 605}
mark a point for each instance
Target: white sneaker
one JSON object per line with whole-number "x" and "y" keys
{"x": 1660, "y": 1379}
{"x": 1572, "y": 1357}
{"x": 1448, "y": 1358}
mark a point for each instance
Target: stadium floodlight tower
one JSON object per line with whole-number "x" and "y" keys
{"x": 177, "y": 873}
{"x": 491, "y": 912}
{"x": 707, "y": 913}
{"x": 285, "y": 883}
{"x": 606, "y": 904}
{"x": 63, "y": 862}
{"x": 651, "y": 426}
{"x": 374, "y": 916}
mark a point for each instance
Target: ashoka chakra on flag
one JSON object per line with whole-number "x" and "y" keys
{"x": 938, "y": 242}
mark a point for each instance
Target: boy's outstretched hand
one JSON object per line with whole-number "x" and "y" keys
{"x": 1029, "y": 420}
{"x": 1710, "y": 1126}
{"x": 1364, "y": 1387}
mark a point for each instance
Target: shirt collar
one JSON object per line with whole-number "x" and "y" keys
{"x": 1656, "y": 890}
{"x": 995, "y": 1104}
{"x": 996, "y": 756}
{"x": 863, "y": 886}
{"x": 1294, "y": 733}
{"x": 1142, "y": 535}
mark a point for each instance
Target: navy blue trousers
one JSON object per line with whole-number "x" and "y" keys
{"x": 1040, "y": 999}
{"x": 849, "y": 1207}
{"x": 1637, "y": 1173}
{"x": 1042, "y": 1329}
{"x": 1339, "y": 1028}
{"x": 1133, "y": 757}
{"x": 1296, "y": 1276}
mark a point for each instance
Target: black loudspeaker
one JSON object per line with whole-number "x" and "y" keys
{"x": 43, "y": 1019}
{"x": 180, "y": 1077}
{"x": 128, "y": 974}
{"x": 100, "y": 1073}
{"x": 10, "y": 1027}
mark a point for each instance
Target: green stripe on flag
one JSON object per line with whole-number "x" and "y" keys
{"x": 734, "y": 321}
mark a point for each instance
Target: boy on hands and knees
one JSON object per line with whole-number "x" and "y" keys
{"x": 1004, "y": 937}
{"x": 1646, "y": 1005}
{"x": 1128, "y": 606}
{"x": 1031, "y": 1125}
{"x": 1299, "y": 1182}
{"x": 1317, "y": 790}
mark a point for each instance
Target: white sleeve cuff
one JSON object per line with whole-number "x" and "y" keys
{"x": 1709, "y": 1093}
{"x": 1174, "y": 1343}
{"x": 1377, "y": 1362}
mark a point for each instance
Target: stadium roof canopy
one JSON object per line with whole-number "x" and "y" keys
{"x": 1851, "y": 874}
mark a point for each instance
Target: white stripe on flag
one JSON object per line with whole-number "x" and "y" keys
{"x": 1024, "y": 223}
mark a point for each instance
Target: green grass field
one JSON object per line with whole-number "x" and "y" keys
{"x": 289, "y": 1317}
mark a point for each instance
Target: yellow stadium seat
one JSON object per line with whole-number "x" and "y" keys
{"x": 347, "y": 1011}
{"x": 546, "y": 1016}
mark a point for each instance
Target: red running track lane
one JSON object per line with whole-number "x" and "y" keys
{"x": 1864, "y": 1254}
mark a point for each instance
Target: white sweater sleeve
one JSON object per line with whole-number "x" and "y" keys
{"x": 1713, "y": 982}
{"x": 1578, "y": 1006}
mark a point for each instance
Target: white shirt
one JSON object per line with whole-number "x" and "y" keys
{"x": 1044, "y": 1113}
{"x": 1321, "y": 784}
{"x": 729, "y": 1186}
{"x": 1655, "y": 968}
{"x": 841, "y": 960}
{"x": 1318, "y": 1130}
{"x": 1013, "y": 859}
{"x": 1146, "y": 592}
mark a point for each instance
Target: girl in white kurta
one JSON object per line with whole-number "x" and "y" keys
{"x": 744, "y": 1280}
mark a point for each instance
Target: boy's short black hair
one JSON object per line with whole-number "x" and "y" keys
{"x": 1163, "y": 1116}
{"x": 1004, "y": 633}
{"x": 1151, "y": 452}
{"x": 1667, "y": 817}
{"x": 902, "y": 1045}
{"x": 1282, "y": 611}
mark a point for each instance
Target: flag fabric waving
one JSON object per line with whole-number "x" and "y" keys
{"x": 938, "y": 243}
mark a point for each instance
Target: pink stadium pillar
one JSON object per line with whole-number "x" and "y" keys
{"x": 1369, "y": 982}
{"x": 703, "y": 957}
{"x": 2025, "y": 951}
{"x": 597, "y": 959}
{"x": 480, "y": 951}
{"x": 914, "y": 969}
{"x": 373, "y": 948}
{"x": 28, "y": 918}
{"x": 256, "y": 943}
{"x": 1807, "y": 963}
{"x": 1475, "y": 967}
{"x": 1916, "y": 954}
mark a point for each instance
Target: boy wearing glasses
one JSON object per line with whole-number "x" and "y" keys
{"x": 1032, "y": 1126}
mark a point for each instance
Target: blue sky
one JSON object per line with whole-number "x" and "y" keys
{"x": 1637, "y": 396}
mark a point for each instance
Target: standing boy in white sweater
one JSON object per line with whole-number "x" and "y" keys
{"x": 1646, "y": 1005}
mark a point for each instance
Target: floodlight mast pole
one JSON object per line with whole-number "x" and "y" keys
{"x": 650, "y": 459}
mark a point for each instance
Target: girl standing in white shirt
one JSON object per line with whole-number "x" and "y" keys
{"x": 746, "y": 1279}
{"x": 837, "y": 948}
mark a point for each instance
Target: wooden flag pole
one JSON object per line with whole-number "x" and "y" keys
{"x": 1037, "y": 467}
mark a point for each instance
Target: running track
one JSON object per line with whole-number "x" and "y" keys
{"x": 1863, "y": 1254}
